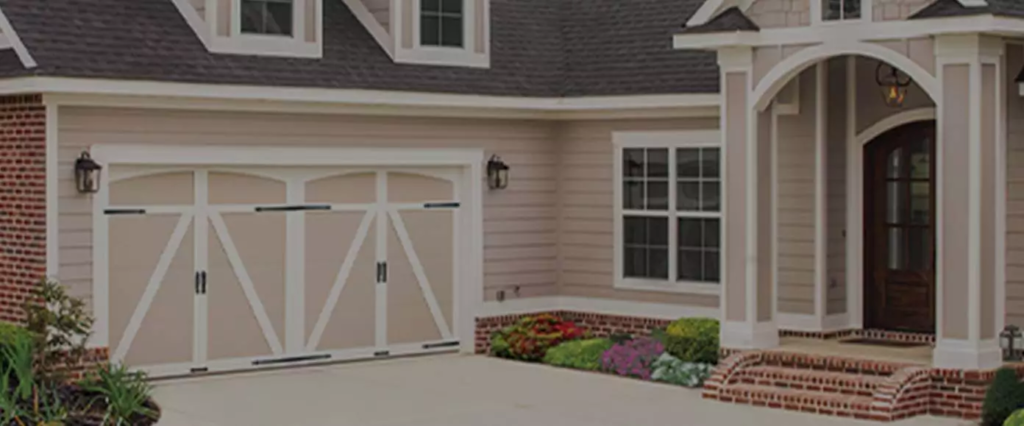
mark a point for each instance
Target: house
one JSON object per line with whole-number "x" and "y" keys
{"x": 241, "y": 184}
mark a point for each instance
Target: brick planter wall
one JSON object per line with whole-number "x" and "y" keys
{"x": 600, "y": 325}
{"x": 22, "y": 201}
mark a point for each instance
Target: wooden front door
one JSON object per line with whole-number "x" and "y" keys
{"x": 899, "y": 249}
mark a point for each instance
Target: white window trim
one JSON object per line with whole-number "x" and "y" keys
{"x": 269, "y": 45}
{"x": 439, "y": 55}
{"x": 817, "y": 12}
{"x": 662, "y": 139}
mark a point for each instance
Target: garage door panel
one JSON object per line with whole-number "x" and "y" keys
{"x": 418, "y": 188}
{"x": 329, "y": 238}
{"x": 165, "y": 333}
{"x": 355, "y": 188}
{"x": 409, "y": 316}
{"x": 261, "y": 241}
{"x": 351, "y": 321}
{"x": 234, "y": 330}
{"x": 239, "y": 188}
{"x": 175, "y": 188}
{"x": 136, "y": 244}
{"x": 432, "y": 237}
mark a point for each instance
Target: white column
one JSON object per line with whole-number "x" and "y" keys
{"x": 747, "y": 299}
{"x": 969, "y": 116}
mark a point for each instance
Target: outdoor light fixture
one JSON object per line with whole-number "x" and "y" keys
{"x": 497, "y": 173}
{"x": 893, "y": 83}
{"x": 87, "y": 174}
{"x": 1011, "y": 340}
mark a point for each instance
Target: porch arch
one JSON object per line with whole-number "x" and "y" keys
{"x": 790, "y": 67}
{"x": 894, "y": 121}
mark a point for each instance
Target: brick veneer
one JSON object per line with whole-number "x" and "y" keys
{"x": 22, "y": 201}
{"x": 600, "y": 325}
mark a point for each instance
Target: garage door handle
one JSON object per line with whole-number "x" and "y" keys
{"x": 203, "y": 276}
{"x": 198, "y": 285}
{"x": 382, "y": 272}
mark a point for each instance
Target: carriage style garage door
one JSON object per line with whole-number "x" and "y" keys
{"x": 214, "y": 268}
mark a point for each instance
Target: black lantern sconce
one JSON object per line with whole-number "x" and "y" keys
{"x": 87, "y": 174}
{"x": 1011, "y": 340}
{"x": 893, "y": 83}
{"x": 497, "y": 173}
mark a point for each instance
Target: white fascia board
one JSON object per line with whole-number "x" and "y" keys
{"x": 15, "y": 42}
{"x": 198, "y": 24}
{"x": 974, "y": 3}
{"x": 82, "y": 91}
{"x": 376, "y": 30}
{"x": 854, "y": 31}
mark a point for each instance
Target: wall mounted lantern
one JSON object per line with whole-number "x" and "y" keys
{"x": 497, "y": 173}
{"x": 893, "y": 83}
{"x": 1011, "y": 340}
{"x": 87, "y": 174}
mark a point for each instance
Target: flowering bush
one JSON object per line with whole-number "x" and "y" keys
{"x": 693, "y": 340}
{"x": 530, "y": 338}
{"x": 632, "y": 358}
{"x": 669, "y": 369}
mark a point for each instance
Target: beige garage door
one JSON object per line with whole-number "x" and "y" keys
{"x": 235, "y": 268}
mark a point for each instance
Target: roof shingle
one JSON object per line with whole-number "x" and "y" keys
{"x": 539, "y": 48}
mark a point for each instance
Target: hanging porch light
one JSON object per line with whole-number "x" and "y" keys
{"x": 497, "y": 173}
{"x": 893, "y": 84}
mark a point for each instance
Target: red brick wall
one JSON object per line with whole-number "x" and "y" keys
{"x": 22, "y": 201}
{"x": 599, "y": 325}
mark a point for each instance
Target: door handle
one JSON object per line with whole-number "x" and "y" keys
{"x": 198, "y": 285}
{"x": 203, "y": 275}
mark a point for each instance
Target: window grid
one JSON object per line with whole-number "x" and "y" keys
{"x": 840, "y": 10}
{"x": 444, "y": 15}
{"x": 671, "y": 215}
{"x": 266, "y": 23}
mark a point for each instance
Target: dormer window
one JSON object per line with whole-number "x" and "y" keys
{"x": 267, "y": 17}
{"x": 840, "y": 10}
{"x": 441, "y": 23}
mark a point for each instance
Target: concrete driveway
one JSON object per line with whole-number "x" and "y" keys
{"x": 452, "y": 390}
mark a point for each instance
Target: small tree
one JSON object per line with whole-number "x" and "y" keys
{"x": 61, "y": 326}
{"x": 1004, "y": 396}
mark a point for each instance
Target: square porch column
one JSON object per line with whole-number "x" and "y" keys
{"x": 748, "y": 318}
{"x": 970, "y": 117}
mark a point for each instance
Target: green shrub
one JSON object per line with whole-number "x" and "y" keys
{"x": 61, "y": 326}
{"x": 578, "y": 354}
{"x": 669, "y": 369}
{"x": 693, "y": 340}
{"x": 125, "y": 395}
{"x": 1004, "y": 396}
{"x": 530, "y": 338}
{"x": 1015, "y": 419}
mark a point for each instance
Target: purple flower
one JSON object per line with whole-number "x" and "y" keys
{"x": 632, "y": 358}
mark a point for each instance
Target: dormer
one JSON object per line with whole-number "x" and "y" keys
{"x": 430, "y": 32}
{"x": 290, "y": 28}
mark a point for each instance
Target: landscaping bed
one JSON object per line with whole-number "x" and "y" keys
{"x": 36, "y": 388}
{"x": 684, "y": 353}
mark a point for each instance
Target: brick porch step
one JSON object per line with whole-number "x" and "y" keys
{"x": 808, "y": 380}
{"x": 836, "y": 404}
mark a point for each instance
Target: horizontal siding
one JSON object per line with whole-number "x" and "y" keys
{"x": 836, "y": 164}
{"x": 795, "y": 151}
{"x": 586, "y": 209}
{"x": 1014, "y": 197}
{"x": 520, "y": 223}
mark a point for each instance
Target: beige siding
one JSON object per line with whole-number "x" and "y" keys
{"x": 795, "y": 152}
{"x": 836, "y": 188}
{"x": 381, "y": 10}
{"x": 780, "y": 13}
{"x": 894, "y": 10}
{"x": 519, "y": 223}
{"x": 586, "y": 209}
{"x": 1015, "y": 192}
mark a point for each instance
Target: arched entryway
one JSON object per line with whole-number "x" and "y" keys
{"x": 899, "y": 229}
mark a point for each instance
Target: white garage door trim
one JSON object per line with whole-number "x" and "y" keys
{"x": 170, "y": 158}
